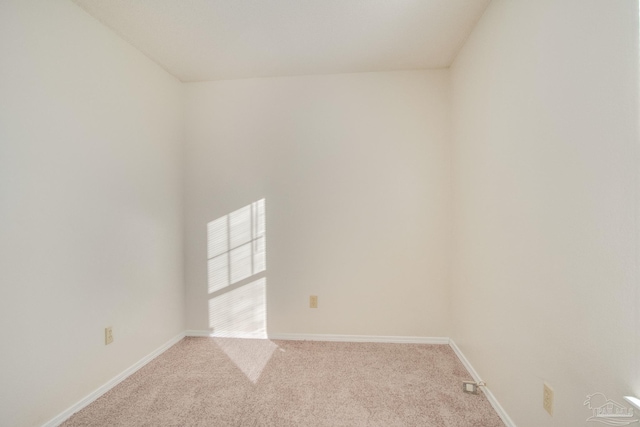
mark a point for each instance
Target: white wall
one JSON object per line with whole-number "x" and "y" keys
{"x": 90, "y": 207}
{"x": 545, "y": 271}
{"x": 355, "y": 171}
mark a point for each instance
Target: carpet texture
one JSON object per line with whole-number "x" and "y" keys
{"x": 242, "y": 382}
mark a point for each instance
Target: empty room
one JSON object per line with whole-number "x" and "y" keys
{"x": 319, "y": 213}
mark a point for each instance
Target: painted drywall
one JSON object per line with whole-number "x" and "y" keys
{"x": 90, "y": 217}
{"x": 545, "y": 177}
{"x": 354, "y": 170}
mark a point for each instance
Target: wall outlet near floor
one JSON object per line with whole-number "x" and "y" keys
{"x": 547, "y": 399}
{"x": 108, "y": 335}
{"x": 313, "y": 301}
{"x": 470, "y": 387}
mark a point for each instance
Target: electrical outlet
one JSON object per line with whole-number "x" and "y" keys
{"x": 108, "y": 336}
{"x": 547, "y": 399}
{"x": 313, "y": 301}
{"x": 470, "y": 387}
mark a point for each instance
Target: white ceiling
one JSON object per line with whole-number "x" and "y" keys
{"x": 199, "y": 40}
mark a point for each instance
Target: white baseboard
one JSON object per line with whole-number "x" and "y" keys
{"x": 63, "y": 416}
{"x": 361, "y": 338}
{"x": 195, "y": 333}
{"x": 487, "y": 392}
{"x": 332, "y": 337}
{"x": 225, "y": 334}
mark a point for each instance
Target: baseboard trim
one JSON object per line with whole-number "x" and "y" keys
{"x": 361, "y": 338}
{"x": 333, "y": 337}
{"x": 194, "y": 333}
{"x": 225, "y": 334}
{"x": 487, "y": 392}
{"x": 63, "y": 416}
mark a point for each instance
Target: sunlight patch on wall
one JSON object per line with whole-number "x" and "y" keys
{"x": 240, "y": 313}
{"x": 236, "y": 248}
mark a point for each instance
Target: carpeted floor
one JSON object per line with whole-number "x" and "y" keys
{"x": 241, "y": 382}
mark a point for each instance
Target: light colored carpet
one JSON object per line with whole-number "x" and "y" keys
{"x": 241, "y": 382}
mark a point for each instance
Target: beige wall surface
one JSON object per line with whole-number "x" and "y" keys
{"x": 545, "y": 154}
{"x": 495, "y": 202}
{"x": 90, "y": 207}
{"x": 354, "y": 170}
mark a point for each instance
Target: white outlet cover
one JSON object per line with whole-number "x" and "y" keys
{"x": 470, "y": 387}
